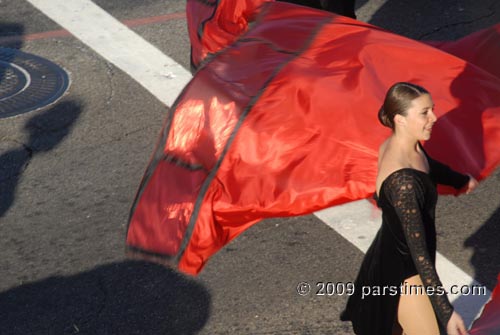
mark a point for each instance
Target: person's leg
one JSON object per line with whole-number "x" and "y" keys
{"x": 308, "y": 3}
{"x": 415, "y": 313}
{"x": 342, "y": 7}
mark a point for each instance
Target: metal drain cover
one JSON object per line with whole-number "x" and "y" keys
{"x": 28, "y": 82}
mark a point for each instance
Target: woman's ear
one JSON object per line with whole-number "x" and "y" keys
{"x": 399, "y": 120}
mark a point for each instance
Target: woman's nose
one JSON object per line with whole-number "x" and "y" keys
{"x": 432, "y": 117}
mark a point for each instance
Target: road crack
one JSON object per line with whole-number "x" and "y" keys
{"x": 110, "y": 74}
{"x": 450, "y": 25}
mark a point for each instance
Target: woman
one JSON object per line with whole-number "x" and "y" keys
{"x": 404, "y": 249}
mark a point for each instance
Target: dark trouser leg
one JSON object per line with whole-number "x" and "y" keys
{"x": 342, "y": 7}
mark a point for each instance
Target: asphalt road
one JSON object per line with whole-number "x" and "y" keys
{"x": 68, "y": 175}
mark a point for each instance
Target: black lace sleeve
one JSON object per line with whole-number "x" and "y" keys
{"x": 405, "y": 192}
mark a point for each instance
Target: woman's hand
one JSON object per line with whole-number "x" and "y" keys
{"x": 471, "y": 185}
{"x": 456, "y": 325}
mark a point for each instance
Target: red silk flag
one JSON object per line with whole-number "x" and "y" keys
{"x": 280, "y": 119}
{"x": 489, "y": 322}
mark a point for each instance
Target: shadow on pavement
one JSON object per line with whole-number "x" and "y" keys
{"x": 486, "y": 262}
{"x": 6, "y": 31}
{"x": 46, "y": 130}
{"x": 486, "y": 256}
{"x": 130, "y": 297}
{"x": 9, "y": 33}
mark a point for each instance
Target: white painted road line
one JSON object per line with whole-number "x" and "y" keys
{"x": 158, "y": 73}
{"x": 367, "y": 11}
{"x": 357, "y": 222}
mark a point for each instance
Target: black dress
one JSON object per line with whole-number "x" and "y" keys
{"x": 404, "y": 246}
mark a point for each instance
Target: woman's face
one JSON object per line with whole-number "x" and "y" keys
{"x": 420, "y": 118}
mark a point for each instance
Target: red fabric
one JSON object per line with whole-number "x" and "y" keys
{"x": 479, "y": 49}
{"x": 284, "y": 122}
{"x": 213, "y": 25}
{"x": 489, "y": 321}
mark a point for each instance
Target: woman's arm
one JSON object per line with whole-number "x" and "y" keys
{"x": 406, "y": 194}
{"x": 443, "y": 174}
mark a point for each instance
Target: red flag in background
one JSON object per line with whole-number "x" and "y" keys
{"x": 480, "y": 49}
{"x": 280, "y": 119}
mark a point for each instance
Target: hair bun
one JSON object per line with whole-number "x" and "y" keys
{"x": 384, "y": 118}
{"x": 397, "y": 101}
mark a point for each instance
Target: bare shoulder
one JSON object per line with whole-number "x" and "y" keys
{"x": 388, "y": 163}
{"x": 382, "y": 149}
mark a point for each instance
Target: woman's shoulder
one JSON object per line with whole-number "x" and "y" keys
{"x": 405, "y": 175}
{"x": 394, "y": 176}
{"x": 404, "y": 183}
{"x": 394, "y": 170}
{"x": 381, "y": 150}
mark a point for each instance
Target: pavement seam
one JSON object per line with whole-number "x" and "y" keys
{"x": 110, "y": 76}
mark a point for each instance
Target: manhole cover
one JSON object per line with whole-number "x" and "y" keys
{"x": 28, "y": 82}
